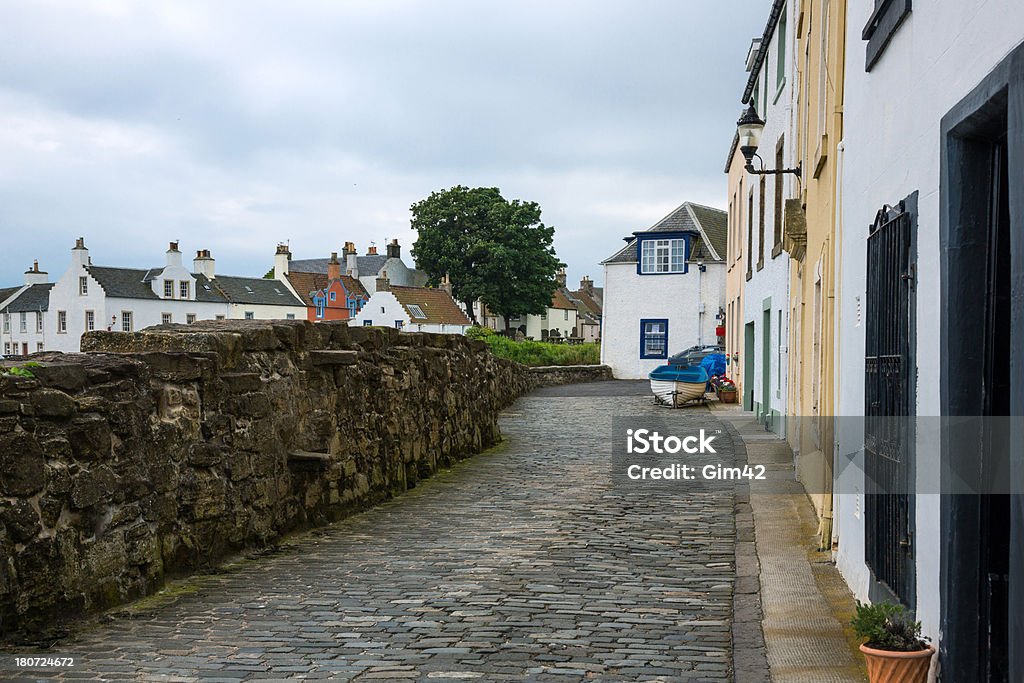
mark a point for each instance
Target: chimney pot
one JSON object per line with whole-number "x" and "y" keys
{"x": 394, "y": 250}
{"x": 371, "y": 251}
{"x": 333, "y": 267}
{"x": 173, "y": 246}
{"x": 383, "y": 284}
{"x": 80, "y": 243}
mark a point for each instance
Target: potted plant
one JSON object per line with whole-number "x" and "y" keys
{"x": 726, "y": 390}
{"x": 894, "y": 650}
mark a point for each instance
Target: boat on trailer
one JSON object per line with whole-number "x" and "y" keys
{"x": 673, "y": 385}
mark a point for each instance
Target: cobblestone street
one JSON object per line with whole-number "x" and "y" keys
{"x": 522, "y": 563}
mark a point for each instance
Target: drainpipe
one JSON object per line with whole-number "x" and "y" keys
{"x": 834, "y": 499}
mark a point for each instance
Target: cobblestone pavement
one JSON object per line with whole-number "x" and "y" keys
{"x": 522, "y": 563}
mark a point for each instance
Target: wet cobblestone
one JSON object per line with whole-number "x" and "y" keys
{"x": 523, "y": 563}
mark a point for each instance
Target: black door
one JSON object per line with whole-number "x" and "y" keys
{"x": 888, "y": 401}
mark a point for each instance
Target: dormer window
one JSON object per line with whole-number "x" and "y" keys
{"x": 168, "y": 289}
{"x": 662, "y": 256}
{"x": 184, "y": 289}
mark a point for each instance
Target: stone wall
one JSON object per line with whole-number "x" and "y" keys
{"x": 159, "y": 452}
{"x": 551, "y": 375}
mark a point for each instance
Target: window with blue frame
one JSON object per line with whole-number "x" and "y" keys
{"x": 319, "y": 303}
{"x": 398, "y": 324}
{"x": 367, "y": 323}
{"x": 334, "y": 296}
{"x": 654, "y": 338}
{"x": 663, "y": 256}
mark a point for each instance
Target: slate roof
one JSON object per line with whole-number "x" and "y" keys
{"x": 250, "y": 290}
{"x": 306, "y": 284}
{"x": 710, "y": 224}
{"x": 34, "y": 298}
{"x": 133, "y": 283}
{"x": 587, "y": 303}
{"x": 369, "y": 264}
{"x": 438, "y": 305}
{"x": 6, "y": 292}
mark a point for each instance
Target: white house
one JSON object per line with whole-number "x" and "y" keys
{"x": 413, "y": 309}
{"x": 560, "y": 319}
{"x": 664, "y": 290}
{"x": 23, "y": 314}
{"x": 765, "y": 352}
{"x": 89, "y": 297}
{"x": 932, "y": 179}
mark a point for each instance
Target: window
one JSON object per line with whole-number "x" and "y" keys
{"x": 7, "y": 323}
{"x": 779, "y": 161}
{"x": 165, "y": 318}
{"x": 334, "y": 296}
{"x": 381, "y": 309}
{"x": 23, "y": 322}
{"x": 289, "y": 316}
{"x": 62, "y": 322}
{"x": 565, "y": 311}
{"x": 398, "y": 324}
{"x": 90, "y": 321}
{"x": 780, "y": 67}
{"x": 127, "y": 324}
{"x": 367, "y": 323}
{"x": 190, "y": 318}
{"x": 184, "y": 287}
{"x": 249, "y": 315}
{"x": 750, "y": 233}
{"x": 654, "y": 338}
{"x": 881, "y": 27}
{"x": 218, "y": 317}
{"x": 7, "y": 348}
{"x": 415, "y": 311}
{"x": 663, "y": 256}
{"x": 39, "y": 322}
{"x": 168, "y": 289}
{"x": 83, "y": 285}
{"x": 39, "y": 347}
{"x": 760, "y": 226}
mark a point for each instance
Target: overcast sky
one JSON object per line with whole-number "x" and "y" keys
{"x": 232, "y": 126}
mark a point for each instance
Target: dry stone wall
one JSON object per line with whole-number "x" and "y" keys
{"x": 160, "y": 452}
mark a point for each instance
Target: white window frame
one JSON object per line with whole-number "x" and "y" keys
{"x": 190, "y": 318}
{"x": 7, "y": 322}
{"x": 23, "y": 322}
{"x": 62, "y": 322}
{"x": 90, "y": 321}
{"x": 39, "y": 322}
{"x": 663, "y": 256}
{"x": 184, "y": 289}
{"x": 168, "y": 289}
{"x": 127, "y": 321}
{"x": 250, "y": 315}
{"x": 83, "y": 285}
{"x": 166, "y": 318}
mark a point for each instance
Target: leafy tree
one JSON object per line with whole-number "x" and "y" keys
{"x": 491, "y": 249}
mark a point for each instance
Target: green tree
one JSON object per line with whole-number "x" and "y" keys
{"x": 490, "y": 248}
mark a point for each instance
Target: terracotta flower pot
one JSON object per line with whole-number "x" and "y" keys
{"x": 887, "y": 666}
{"x": 727, "y": 396}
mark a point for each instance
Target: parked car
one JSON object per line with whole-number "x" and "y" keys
{"x": 695, "y": 354}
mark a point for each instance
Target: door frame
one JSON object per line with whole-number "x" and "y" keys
{"x": 960, "y": 248}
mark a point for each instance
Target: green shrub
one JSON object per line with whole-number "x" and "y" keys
{"x": 886, "y": 626}
{"x": 542, "y": 353}
{"x": 17, "y": 372}
{"x": 477, "y": 332}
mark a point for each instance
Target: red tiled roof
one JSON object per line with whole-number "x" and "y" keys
{"x": 308, "y": 283}
{"x": 437, "y": 305}
{"x": 560, "y": 300}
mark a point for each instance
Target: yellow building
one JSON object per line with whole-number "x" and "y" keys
{"x": 736, "y": 264}
{"x": 810, "y": 239}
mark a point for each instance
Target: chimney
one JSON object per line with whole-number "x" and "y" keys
{"x": 203, "y": 264}
{"x": 371, "y": 250}
{"x": 34, "y": 276}
{"x": 587, "y": 285}
{"x": 281, "y": 259}
{"x": 446, "y": 284}
{"x": 560, "y": 277}
{"x": 173, "y": 255}
{"x": 333, "y": 267}
{"x": 394, "y": 250}
{"x": 351, "y": 260}
{"x": 80, "y": 255}
{"x": 383, "y": 284}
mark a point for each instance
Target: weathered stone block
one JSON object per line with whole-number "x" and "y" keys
{"x": 21, "y": 465}
{"x": 92, "y": 486}
{"x": 53, "y": 403}
{"x": 65, "y": 376}
{"x": 20, "y": 519}
{"x": 333, "y": 357}
{"x": 90, "y": 438}
{"x": 204, "y": 455}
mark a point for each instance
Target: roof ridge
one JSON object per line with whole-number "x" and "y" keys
{"x": 703, "y": 233}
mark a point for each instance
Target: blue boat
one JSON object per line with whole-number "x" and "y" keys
{"x": 674, "y": 385}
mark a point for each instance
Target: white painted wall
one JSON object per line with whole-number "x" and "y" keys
{"x": 629, "y": 297}
{"x": 398, "y": 274}
{"x": 940, "y": 53}
{"x": 776, "y": 106}
{"x": 264, "y": 312}
{"x": 383, "y": 309}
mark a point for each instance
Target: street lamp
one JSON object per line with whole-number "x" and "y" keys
{"x": 749, "y": 128}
